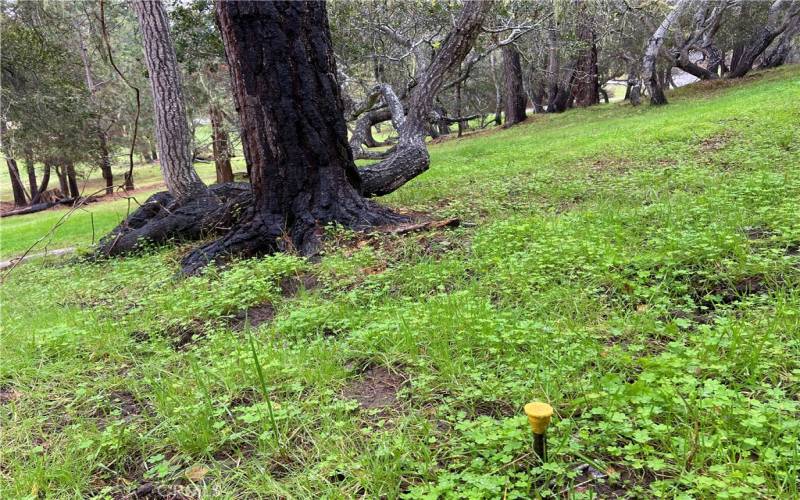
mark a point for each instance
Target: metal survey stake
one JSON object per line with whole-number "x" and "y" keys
{"x": 539, "y": 418}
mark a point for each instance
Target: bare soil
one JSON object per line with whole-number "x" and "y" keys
{"x": 376, "y": 388}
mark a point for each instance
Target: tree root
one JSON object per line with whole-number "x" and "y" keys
{"x": 244, "y": 232}
{"x": 259, "y": 233}
{"x": 161, "y": 219}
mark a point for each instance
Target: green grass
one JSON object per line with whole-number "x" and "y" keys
{"x": 637, "y": 268}
{"x": 62, "y": 227}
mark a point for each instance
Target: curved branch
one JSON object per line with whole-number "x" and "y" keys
{"x": 411, "y": 156}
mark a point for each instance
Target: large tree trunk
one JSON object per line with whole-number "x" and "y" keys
{"x": 220, "y": 145}
{"x": 586, "y": 88}
{"x": 649, "y": 73}
{"x": 778, "y": 55}
{"x": 303, "y": 175}
{"x": 43, "y": 185}
{"x": 777, "y": 23}
{"x": 191, "y": 210}
{"x": 30, "y": 166}
{"x": 16, "y": 183}
{"x": 562, "y": 99}
{"x": 172, "y": 129}
{"x": 62, "y": 180}
{"x": 516, "y": 100}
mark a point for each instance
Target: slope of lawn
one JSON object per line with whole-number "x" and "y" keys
{"x": 638, "y": 268}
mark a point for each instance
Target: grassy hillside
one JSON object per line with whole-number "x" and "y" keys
{"x": 638, "y": 268}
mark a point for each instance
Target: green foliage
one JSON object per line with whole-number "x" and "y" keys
{"x": 637, "y": 268}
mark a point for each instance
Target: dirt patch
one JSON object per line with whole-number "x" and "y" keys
{"x": 8, "y": 394}
{"x": 284, "y": 465}
{"x": 140, "y": 335}
{"x": 726, "y": 293}
{"x": 123, "y": 402}
{"x": 126, "y": 402}
{"x": 614, "y": 482}
{"x": 610, "y": 165}
{"x": 758, "y": 233}
{"x": 716, "y": 142}
{"x": 495, "y": 409}
{"x": 252, "y": 316}
{"x": 291, "y": 285}
{"x": 245, "y": 397}
{"x": 183, "y": 335}
{"x": 376, "y": 388}
{"x": 703, "y": 318}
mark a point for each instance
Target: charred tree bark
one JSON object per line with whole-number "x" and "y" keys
{"x": 649, "y": 73}
{"x": 516, "y": 100}
{"x": 172, "y": 129}
{"x": 16, "y": 183}
{"x": 303, "y": 176}
{"x": 220, "y": 145}
{"x": 162, "y": 218}
{"x": 363, "y": 127}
